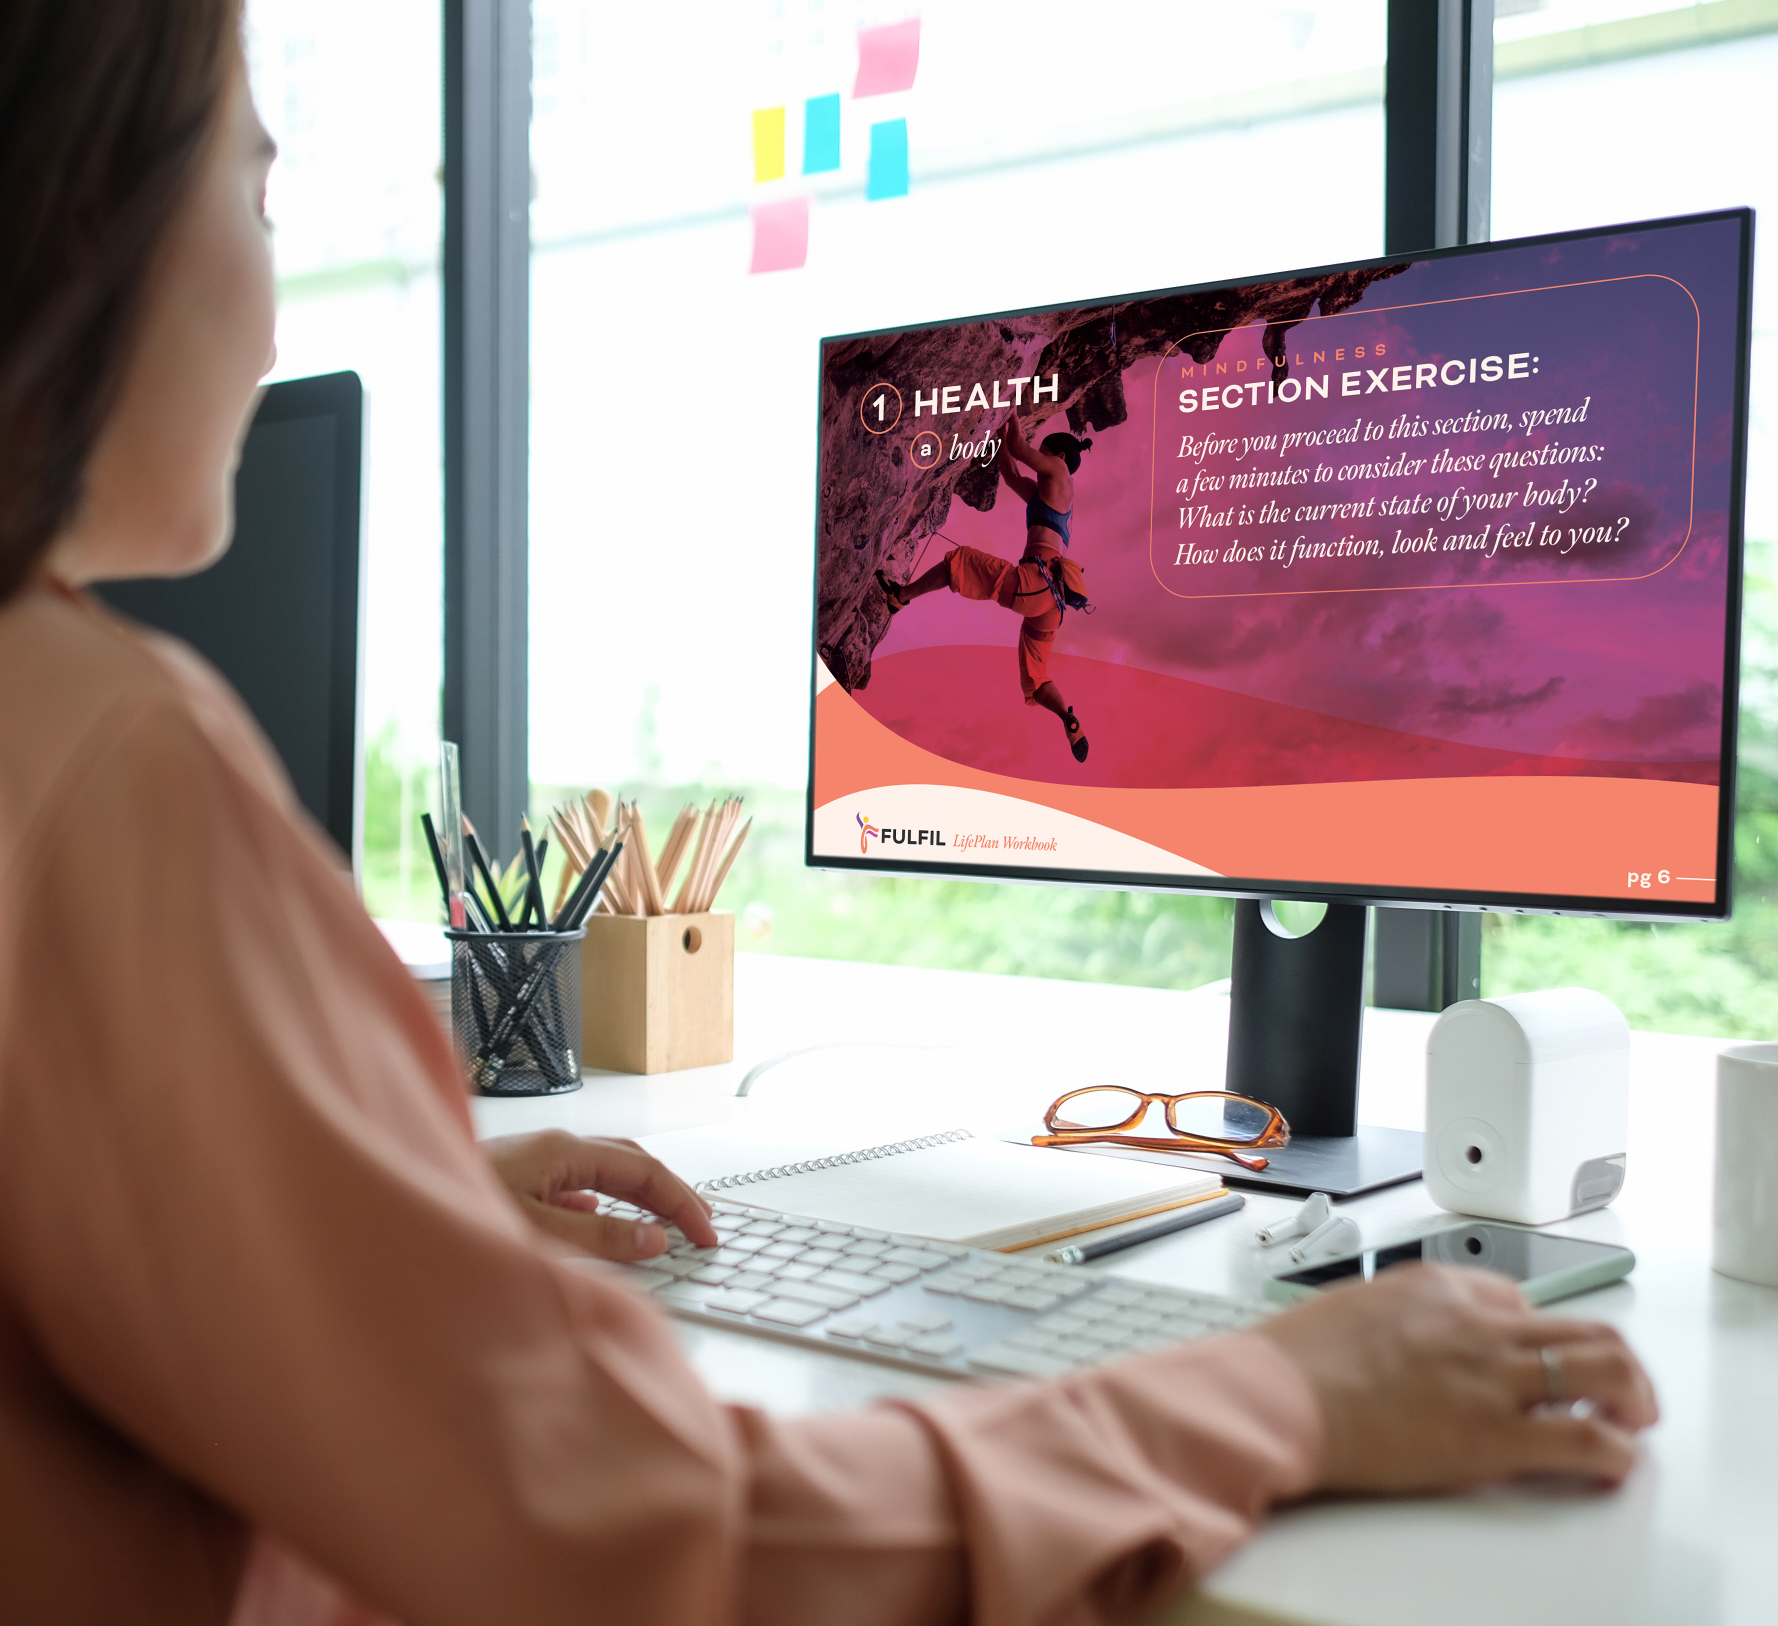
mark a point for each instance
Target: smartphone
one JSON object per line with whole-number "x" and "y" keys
{"x": 1545, "y": 1267}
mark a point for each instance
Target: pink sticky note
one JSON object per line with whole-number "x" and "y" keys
{"x": 887, "y": 58}
{"x": 780, "y": 235}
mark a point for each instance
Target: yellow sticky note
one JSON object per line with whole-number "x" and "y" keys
{"x": 768, "y": 143}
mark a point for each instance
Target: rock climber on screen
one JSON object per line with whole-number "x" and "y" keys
{"x": 1043, "y": 579}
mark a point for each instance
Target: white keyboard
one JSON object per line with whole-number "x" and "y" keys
{"x": 911, "y": 1302}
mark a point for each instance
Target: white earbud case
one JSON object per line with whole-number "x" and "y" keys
{"x": 1527, "y": 1104}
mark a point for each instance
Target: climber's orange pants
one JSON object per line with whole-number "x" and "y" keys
{"x": 1023, "y": 587}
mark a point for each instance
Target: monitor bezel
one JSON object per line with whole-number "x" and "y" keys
{"x": 1442, "y": 899}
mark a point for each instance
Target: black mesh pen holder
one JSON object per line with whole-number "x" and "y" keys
{"x": 515, "y": 1010}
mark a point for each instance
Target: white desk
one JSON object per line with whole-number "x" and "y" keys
{"x": 1692, "y": 1538}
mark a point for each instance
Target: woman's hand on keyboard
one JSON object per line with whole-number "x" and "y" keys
{"x": 1431, "y": 1378}
{"x": 554, "y": 1176}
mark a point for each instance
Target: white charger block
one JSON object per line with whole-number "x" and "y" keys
{"x": 1527, "y": 1105}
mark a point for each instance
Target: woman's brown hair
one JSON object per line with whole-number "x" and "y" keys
{"x": 105, "y": 108}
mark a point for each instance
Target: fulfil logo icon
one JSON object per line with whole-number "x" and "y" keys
{"x": 865, "y": 831}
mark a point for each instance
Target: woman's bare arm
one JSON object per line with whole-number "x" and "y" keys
{"x": 1022, "y": 484}
{"x": 1041, "y": 463}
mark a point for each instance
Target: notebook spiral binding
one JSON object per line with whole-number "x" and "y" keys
{"x": 869, "y": 1154}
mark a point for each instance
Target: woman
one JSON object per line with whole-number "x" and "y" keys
{"x": 1035, "y": 586}
{"x": 277, "y": 1345}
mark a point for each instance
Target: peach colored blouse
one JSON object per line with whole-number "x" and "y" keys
{"x": 274, "y": 1340}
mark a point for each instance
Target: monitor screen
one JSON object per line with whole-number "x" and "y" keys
{"x": 1409, "y": 581}
{"x": 278, "y": 613}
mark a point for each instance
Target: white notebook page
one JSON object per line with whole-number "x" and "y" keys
{"x": 980, "y": 1191}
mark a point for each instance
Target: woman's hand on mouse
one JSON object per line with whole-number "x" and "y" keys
{"x": 555, "y": 1177}
{"x": 1432, "y": 1378}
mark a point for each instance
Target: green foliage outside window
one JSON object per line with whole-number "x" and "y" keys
{"x": 1709, "y": 979}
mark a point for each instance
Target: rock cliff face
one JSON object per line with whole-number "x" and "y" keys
{"x": 876, "y": 508}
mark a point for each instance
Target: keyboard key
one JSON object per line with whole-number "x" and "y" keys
{"x": 867, "y": 1249}
{"x": 782, "y": 1250}
{"x": 850, "y": 1282}
{"x": 765, "y": 1227}
{"x": 1029, "y": 1298}
{"x": 927, "y": 1321}
{"x": 1119, "y": 1293}
{"x": 919, "y": 1258}
{"x": 1035, "y": 1338}
{"x": 941, "y": 1345}
{"x": 1022, "y": 1363}
{"x": 649, "y": 1280}
{"x": 1078, "y": 1349}
{"x": 984, "y": 1292}
{"x": 889, "y": 1337}
{"x": 683, "y": 1266}
{"x": 895, "y": 1275}
{"x": 977, "y": 1268}
{"x": 830, "y": 1298}
{"x": 746, "y": 1242}
{"x": 790, "y": 1313}
{"x": 833, "y": 1228}
{"x": 750, "y": 1280}
{"x": 867, "y": 1235}
{"x": 950, "y": 1284}
{"x": 849, "y": 1326}
{"x": 792, "y": 1270}
{"x": 714, "y": 1275}
{"x": 735, "y": 1303}
{"x": 799, "y": 1233}
{"x": 822, "y": 1257}
{"x": 688, "y": 1295}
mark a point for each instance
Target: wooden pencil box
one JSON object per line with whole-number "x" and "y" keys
{"x": 657, "y": 992}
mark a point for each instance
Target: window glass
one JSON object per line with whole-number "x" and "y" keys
{"x": 1609, "y": 111}
{"x": 351, "y": 94}
{"x": 1056, "y": 152}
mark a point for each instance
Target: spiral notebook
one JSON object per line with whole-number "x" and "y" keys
{"x": 952, "y": 1186}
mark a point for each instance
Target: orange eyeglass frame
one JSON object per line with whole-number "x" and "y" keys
{"x": 1064, "y": 1133}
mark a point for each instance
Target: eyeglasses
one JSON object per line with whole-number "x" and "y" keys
{"x": 1207, "y": 1122}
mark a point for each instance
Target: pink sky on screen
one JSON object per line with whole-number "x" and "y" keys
{"x": 888, "y": 58}
{"x": 780, "y": 235}
{"x": 1608, "y": 670}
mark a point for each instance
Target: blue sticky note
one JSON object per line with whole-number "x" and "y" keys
{"x": 888, "y": 173}
{"x": 821, "y": 134}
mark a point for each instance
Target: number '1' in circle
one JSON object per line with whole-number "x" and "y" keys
{"x": 880, "y": 410}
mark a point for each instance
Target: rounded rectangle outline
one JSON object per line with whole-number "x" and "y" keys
{"x": 1435, "y": 587}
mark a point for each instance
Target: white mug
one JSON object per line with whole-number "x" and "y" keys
{"x": 1747, "y": 1163}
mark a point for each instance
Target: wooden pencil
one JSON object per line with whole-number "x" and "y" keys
{"x": 574, "y": 861}
{"x": 722, "y": 874}
{"x": 705, "y": 831}
{"x": 709, "y": 854}
{"x": 675, "y": 848}
{"x": 651, "y": 882}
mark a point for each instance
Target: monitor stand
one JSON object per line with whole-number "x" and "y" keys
{"x": 1296, "y": 1027}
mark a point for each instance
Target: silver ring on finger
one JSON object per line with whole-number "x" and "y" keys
{"x": 1553, "y": 1377}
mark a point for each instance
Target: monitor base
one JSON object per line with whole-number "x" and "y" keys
{"x": 1340, "y": 1165}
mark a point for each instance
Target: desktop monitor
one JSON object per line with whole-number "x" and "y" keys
{"x": 278, "y": 614}
{"x": 1413, "y": 581}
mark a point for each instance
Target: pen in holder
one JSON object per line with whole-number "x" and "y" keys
{"x": 515, "y": 1010}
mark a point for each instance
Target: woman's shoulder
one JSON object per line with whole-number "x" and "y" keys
{"x": 90, "y": 675}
